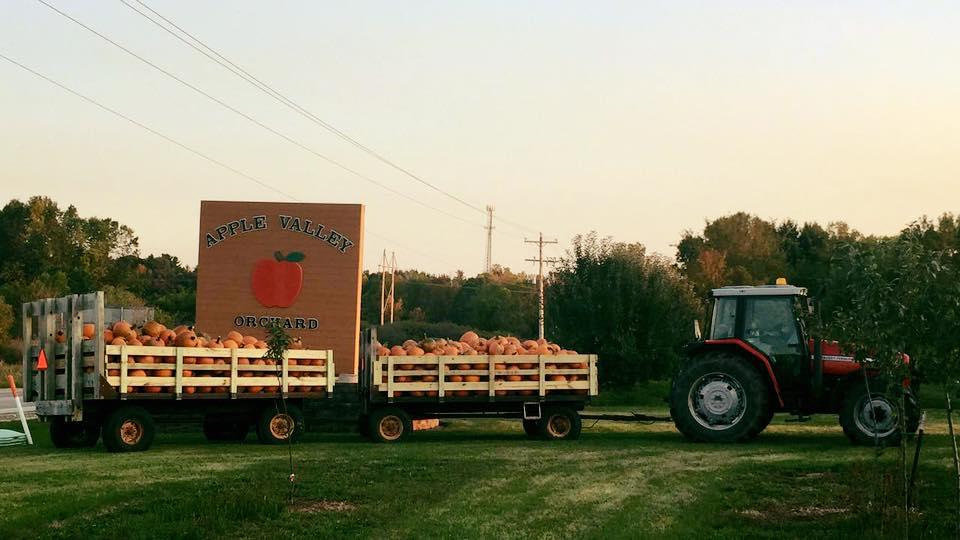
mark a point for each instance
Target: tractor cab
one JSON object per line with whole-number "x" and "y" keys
{"x": 758, "y": 359}
{"x": 766, "y": 319}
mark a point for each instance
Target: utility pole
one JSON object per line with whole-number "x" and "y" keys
{"x": 488, "y": 264}
{"x": 540, "y": 260}
{"x": 386, "y": 265}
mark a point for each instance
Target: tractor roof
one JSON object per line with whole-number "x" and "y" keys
{"x": 760, "y": 290}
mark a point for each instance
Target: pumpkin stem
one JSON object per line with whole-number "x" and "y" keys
{"x": 278, "y": 255}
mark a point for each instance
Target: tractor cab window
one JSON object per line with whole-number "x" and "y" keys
{"x": 770, "y": 325}
{"x": 724, "y": 318}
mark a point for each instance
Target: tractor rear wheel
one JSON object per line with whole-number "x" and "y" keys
{"x": 875, "y": 419}
{"x": 720, "y": 397}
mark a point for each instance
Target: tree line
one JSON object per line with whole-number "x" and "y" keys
{"x": 633, "y": 308}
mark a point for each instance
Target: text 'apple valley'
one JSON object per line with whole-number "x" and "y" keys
{"x": 293, "y": 224}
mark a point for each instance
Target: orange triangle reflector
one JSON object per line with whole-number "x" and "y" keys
{"x": 42, "y": 361}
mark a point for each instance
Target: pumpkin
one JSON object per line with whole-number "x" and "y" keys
{"x": 181, "y": 328}
{"x": 135, "y": 373}
{"x": 122, "y": 329}
{"x": 152, "y": 329}
{"x": 470, "y": 337}
{"x": 185, "y": 339}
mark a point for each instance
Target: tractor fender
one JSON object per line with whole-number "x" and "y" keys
{"x": 741, "y": 347}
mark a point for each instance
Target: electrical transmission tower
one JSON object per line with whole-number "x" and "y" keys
{"x": 387, "y": 266}
{"x": 540, "y": 261}
{"x": 488, "y": 264}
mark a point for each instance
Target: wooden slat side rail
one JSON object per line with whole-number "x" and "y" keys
{"x": 76, "y": 370}
{"x": 99, "y": 352}
{"x": 27, "y": 362}
{"x": 230, "y": 374}
{"x": 49, "y": 343}
{"x": 538, "y": 380}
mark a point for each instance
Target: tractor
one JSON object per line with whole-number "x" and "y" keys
{"x": 758, "y": 359}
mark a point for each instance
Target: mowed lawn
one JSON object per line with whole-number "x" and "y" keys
{"x": 481, "y": 479}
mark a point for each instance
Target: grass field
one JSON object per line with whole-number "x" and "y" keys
{"x": 481, "y": 479}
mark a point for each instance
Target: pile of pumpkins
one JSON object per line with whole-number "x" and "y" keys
{"x": 471, "y": 344}
{"x": 155, "y": 334}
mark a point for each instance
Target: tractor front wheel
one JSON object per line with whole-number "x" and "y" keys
{"x": 720, "y": 397}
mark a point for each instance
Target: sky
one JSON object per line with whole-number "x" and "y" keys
{"x": 638, "y": 120}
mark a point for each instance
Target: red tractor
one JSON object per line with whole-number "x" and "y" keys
{"x": 759, "y": 360}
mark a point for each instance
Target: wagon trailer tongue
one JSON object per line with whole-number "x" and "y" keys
{"x": 632, "y": 417}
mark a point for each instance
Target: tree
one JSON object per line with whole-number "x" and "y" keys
{"x": 737, "y": 249}
{"x": 899, "y": 296}
{"x": 633, "y": 309}
{"x": 6, "y": 318}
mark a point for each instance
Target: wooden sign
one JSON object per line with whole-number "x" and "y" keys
{"x": 297, "y": 263}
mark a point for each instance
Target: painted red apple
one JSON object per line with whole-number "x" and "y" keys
{"x": 276, "y": 282}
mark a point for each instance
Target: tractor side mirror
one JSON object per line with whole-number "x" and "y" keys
{"x": 696, "y": 330}
{"x": 810, "y": 306}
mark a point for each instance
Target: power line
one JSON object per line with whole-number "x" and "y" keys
{"x": 192, "y": 150}
{"x": 214, "y": 55}
{"x": 250, "y": 118}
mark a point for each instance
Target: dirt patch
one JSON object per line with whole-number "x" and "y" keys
{"x": 819, "y": 511}
{"x": 313, "y": 507}
{"x": 780, "y": 514}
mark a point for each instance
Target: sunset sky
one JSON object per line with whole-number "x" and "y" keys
{"x": 635, "y": 119}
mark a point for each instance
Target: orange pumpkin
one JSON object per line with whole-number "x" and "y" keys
{"x": 121, "y": 329}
